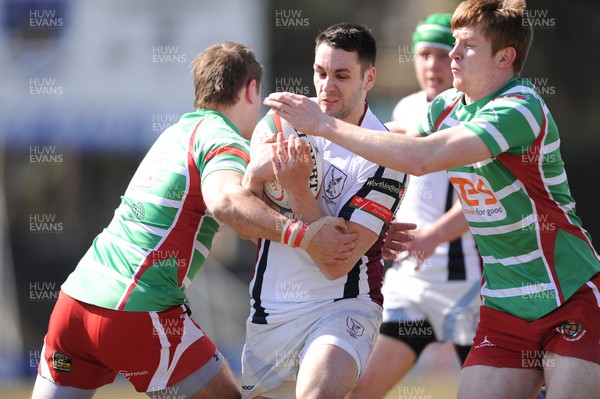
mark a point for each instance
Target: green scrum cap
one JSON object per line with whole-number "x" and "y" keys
{"x": 434, "y": 31}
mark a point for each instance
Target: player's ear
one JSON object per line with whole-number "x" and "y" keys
{"x": 252, "y": 91}
{"x": 506, "y": 57}
{"x": 369, "y": 78}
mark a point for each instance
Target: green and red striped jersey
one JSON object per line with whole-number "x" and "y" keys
{"x": 161, "y": 233}
{"x": 518, "y": 203}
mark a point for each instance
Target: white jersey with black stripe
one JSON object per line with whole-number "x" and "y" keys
{"x": 286, "y": 282}
{"x": 427, "y": 199}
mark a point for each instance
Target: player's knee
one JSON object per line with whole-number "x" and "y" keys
{"x": 222, "y": 385}
{"x": 322, "y": 389}
{"x": 360, "y": 390}
{"x": 308, "y": 392}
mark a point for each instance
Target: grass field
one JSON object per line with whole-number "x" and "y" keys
{"x": 438, "y": 387}
{"x": 434, "y": 377}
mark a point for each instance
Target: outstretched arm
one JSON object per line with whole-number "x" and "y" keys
{"x": 396, "y": 127}
{"x": 443, "y": 150}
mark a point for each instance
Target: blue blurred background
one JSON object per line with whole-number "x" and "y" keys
{"x": 87, "y": 86}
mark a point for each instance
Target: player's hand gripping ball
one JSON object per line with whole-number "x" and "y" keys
{"x": 269, "y": 126}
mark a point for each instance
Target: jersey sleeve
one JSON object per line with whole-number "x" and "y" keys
{"x": 225, "y": 151}
{"x": 508, "y": 123}
{"x": 374, "y": 198}
{"x": 424, "y": 126}
{"x": 437, "y": 110}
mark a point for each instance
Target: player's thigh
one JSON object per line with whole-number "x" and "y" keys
{"x": 45, "y": 389}
{"x": 339, "y": 346}
{"x": 271, "y": 356}
{"x": 390, "y": 361}
{"x": 570, "y": 377}
{"x": 488, "y": 382}
{"x": 326, "y": 371}
{"x": 71, "y": 353}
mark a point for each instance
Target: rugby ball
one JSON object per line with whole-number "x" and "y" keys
{"x": 270, "y": 125}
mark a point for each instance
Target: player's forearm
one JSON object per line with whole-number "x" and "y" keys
{"x": 396, "y": 127}
{"x": 304, "y": 204}
{"x": 251, "y": 182}
{"x": 450, "y": 225}
{"x": 366, "y": 239}
{"x": 445, "y": 149}
{"x": 248, "y": 215}
{"x": 396, "y": 151}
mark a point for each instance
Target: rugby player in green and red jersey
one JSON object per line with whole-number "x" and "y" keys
{"x": 540, "y": 318}
{"x": 124, "y": 310}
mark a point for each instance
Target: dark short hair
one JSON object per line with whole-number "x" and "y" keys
{"x": 351, "y": 37}
{"x": 220, "y": 71}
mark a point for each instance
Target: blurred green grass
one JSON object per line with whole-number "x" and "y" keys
{"x": 435, "y": 376}
{"x": 435, "y": 387}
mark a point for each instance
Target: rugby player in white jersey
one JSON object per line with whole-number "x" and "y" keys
{"x": 311, "y": 329}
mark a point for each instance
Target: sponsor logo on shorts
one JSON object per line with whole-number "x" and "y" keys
{"x": 571, "y": 330}
{"x": 484, "y": 343}
{"x": 61, "y": 362}
{"x": 247, "y": 387}
{"x": 129, "y": 374}
{"x": 355, "y": 329}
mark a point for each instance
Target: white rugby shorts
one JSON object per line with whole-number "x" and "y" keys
{"x": 273, "y": 353}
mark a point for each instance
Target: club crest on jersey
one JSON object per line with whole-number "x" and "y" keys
{"x": 354, "y": 327}
{"x": 136, "y": 209}
{"x": 334, "y": 182}
{"x": 571, "y": 330}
